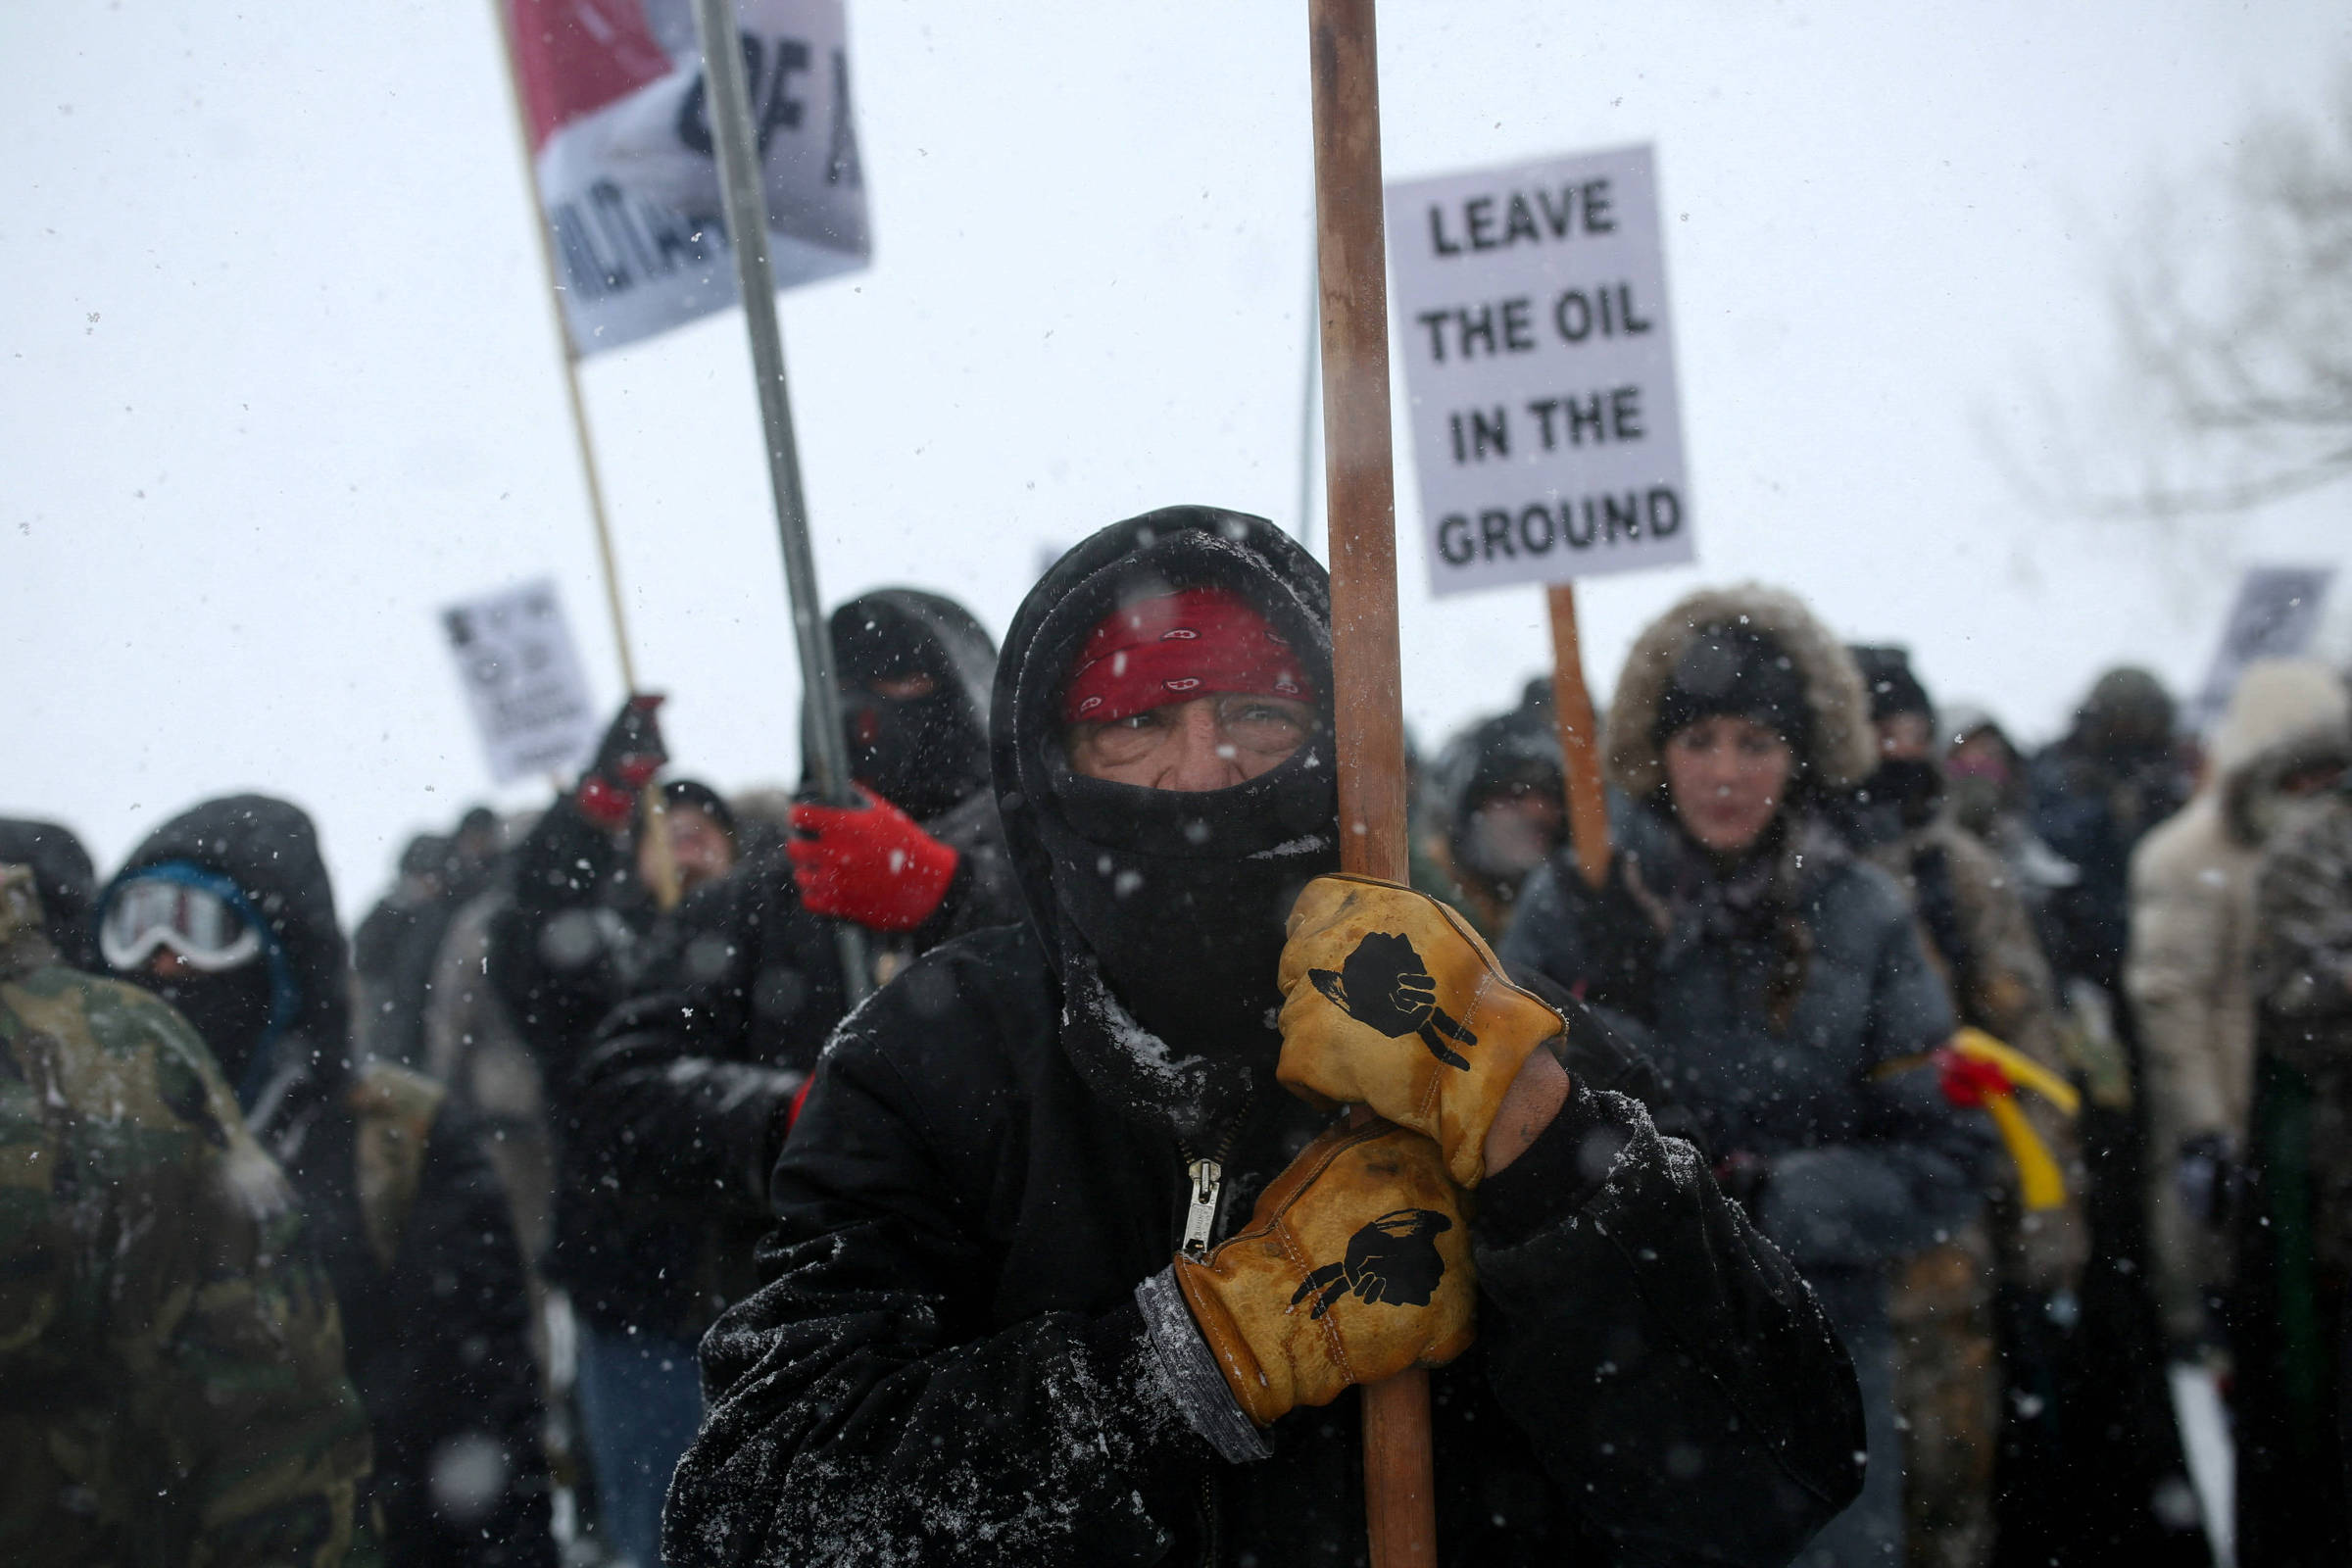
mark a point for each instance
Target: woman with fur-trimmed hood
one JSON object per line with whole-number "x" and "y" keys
{"x": 1777, "y": 976}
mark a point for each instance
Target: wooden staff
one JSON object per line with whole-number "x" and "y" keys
{"x": 652, "y": 815}
{"x": 1580, "y": 739}
{"x": 1399, "y": 1497}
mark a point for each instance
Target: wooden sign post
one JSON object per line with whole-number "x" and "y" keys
{"x": 1580, "y": 739}
{"x": 1399, "y": 1497}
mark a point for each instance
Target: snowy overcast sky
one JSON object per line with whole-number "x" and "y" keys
{"x": 277, "y": 375}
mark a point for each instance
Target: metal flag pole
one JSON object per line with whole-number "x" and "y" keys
{"x": 743, "y": 189}
{"x": 1360, "y": 509}
{"x": 666, "y": 865}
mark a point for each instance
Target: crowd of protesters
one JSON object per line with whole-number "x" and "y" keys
{"x": 1847, "y": 1173}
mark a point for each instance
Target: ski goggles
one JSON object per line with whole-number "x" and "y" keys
{"x": 206, "y": 930}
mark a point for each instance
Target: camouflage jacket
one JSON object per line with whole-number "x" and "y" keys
{"x": 171, "y": 1373}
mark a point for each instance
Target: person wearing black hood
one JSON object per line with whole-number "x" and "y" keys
{"x": 2096, "y": 794}
{"x": 1015, "y": 1309}
{"x": 226, "y": 913}
{"x": 675, "y": 1113}
{"x": 65, "y": 880}
{"x": 1499, "y": 808}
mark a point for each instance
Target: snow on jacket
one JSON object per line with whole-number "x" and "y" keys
{"x": 674, "y": 1115}
{"x": 407, "y": 1216}
{"x": 946, "y": 1362}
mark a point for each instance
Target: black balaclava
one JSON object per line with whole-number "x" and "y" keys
{"x": 925, "y": 754}
{"x": 1165, "y": 909}
{"x": 231, "y": 1009}
{"x": 1904, "y": 791}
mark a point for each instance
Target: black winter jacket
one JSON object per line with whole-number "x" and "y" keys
{"x": 674, "y": 1119}
{"x": 430, "y": 1278}
{"x": 947, "y": 1363}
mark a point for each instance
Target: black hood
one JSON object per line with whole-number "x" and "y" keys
{"x": 269, "y": 850}
{"x": 1516, "y": 750}
{"x": 1158, "y": 908}
{"x": 925, "y": 754}
{"x": 65, "y": 878}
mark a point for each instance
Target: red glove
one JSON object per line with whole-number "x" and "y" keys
{"x": 871, "y": 863}
{"x": 1968, "y": 1081}
{"x": 626, "y": 759}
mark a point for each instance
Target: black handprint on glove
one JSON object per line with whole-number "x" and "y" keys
{"x": 1385, "y": 986}
{"x": 1392, "y": 1259}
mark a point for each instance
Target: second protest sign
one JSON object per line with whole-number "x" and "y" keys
{"x": 1531, "y": 304}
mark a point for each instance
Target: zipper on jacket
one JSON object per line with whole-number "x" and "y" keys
{"x": 1200, "y": 1211}
{"x": 1211, "y": 1520}
{"x": 1205, "y": 1179}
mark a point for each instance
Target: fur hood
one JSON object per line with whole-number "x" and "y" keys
{"x": 1843, "y": 749}
{"x": 2280, "y": 703}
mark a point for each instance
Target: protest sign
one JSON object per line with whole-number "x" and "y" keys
{"x": 522, "y": 680}
{"x": 618, "y": 117}
{"x": 2273, "y": 616}
{"x": 1531, "y": 307}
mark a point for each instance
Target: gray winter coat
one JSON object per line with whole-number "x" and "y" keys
{"x": 1861, "y": 1164}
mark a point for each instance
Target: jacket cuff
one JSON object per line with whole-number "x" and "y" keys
{"x": 1558, "y": 1173}
{"x": 1187, "y": 1374}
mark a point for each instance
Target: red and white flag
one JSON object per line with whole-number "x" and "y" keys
{"x": 619, "y": 125}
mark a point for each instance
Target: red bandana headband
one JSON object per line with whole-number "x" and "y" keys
{"x": 1177, "y": 647}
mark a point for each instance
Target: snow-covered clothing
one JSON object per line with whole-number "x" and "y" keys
{"x": 2193, "y": 933}
{"x": 949, "y": 1360}
{"x": 404, "y": 1212}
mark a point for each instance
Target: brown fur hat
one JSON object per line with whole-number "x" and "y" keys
{"x": 1840, "y": 746}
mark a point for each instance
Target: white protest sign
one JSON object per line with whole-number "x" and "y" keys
{"x": 522, "y": 679}
{"x": 2273, "y": 616}
{"x": 1531, "y": 302}
{"x": 620, "y": 132}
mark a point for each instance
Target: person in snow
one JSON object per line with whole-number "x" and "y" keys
{"x": 2286, "y": 736}
{"x": 172, "y": 1384}
{"x": 2096, "y": 794}
{"x": 1061, "y": 1274}
{"x": 675, "y": 1115}
{"x": 1497, "y": 807}
{"x": 64, "y": 877}
{"x": 2292, "y": 1324}
{"x": 225, "y": 913}
{"x": 1979, "y": 1319}
{"x": 573, "y": 939}
{"x": 1779, "y": 980}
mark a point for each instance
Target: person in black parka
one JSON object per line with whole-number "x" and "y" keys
{"x": 965, "y": 1348}
{"x": 673, "y": 1116}
{"x": 226, "y": 913}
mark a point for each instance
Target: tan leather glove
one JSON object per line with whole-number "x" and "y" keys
{"x": 1355, "y": 1266}
{"x": 1390, "y": 1001}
